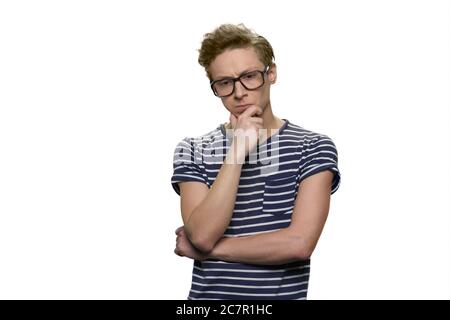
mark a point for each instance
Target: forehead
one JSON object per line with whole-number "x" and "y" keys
{"x": 233, "y": 62}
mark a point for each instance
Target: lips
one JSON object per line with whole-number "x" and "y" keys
{"x": 243, "y": 106}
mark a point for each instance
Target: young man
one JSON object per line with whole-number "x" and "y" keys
{"x": 255, "y": 192}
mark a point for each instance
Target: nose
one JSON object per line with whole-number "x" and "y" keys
{"x": 239, "y": 89}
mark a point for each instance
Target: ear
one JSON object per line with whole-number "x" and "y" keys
{"x": 272, "y": 74}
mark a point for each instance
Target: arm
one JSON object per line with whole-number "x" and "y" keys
{"x": 296, "y": 242}
{"x": 207, "y": 212}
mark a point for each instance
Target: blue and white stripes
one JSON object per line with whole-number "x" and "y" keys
{"x": 268, "y": 187}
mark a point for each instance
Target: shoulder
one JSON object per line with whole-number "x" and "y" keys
{"x": 196, "y": 144}
{"x": 305, "y": 137}
{"x": 317, "y": 153}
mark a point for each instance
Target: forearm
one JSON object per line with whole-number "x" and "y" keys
{"x": 277, "y": 247}
{"x": 209, "y": 220}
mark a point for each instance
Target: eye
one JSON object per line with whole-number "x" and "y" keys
{"x": 250, "y": 75}
{"x": 224, "y": 83}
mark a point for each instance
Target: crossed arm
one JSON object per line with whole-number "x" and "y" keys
{"x": 296, "y": 242}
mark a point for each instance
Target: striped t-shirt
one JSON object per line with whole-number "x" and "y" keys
{"x": 268, "y": 187}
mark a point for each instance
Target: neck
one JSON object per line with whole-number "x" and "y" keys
{"x": 270, "y": 121}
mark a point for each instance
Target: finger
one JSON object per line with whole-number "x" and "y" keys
{"x": 252, "y": 110}
{"x": 258, "y": 124}
{"x": 257, "y": 120}
{"x": 179, "y": 229}
{"x": 233, "y": 120}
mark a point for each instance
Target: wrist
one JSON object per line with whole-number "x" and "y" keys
{"x": 236, "y": 154}
{"x": 218, "y": 253}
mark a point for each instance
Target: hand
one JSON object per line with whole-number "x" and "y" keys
{"x": 184, "y": 247}
{"x": 245, "y": 127}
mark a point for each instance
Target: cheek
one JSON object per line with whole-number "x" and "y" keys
{"x": 227, "y": 103}
{"x": 265, "y": 95}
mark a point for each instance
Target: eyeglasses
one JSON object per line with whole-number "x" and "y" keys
{"x": 250, "y": 80}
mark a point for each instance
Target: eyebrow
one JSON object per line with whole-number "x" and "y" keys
{"x": 230, "y": 77}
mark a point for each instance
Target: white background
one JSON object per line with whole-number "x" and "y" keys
{"x": 95, "y": 95}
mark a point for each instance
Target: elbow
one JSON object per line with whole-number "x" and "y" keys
{"x": 303, "y": 254}
{"x": 303, "y": 251}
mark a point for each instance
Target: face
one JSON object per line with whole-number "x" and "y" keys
{"x": 231, "y": 64}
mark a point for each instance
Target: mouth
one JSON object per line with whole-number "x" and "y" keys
{"x": 243, "y": 106}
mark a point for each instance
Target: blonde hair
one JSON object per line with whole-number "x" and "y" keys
{"x": 230, "y": 36}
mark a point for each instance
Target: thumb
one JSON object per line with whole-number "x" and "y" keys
{"x": 233, "y": 120}
{"x": 179, "y": 230}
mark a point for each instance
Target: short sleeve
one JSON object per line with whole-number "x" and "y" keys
{"x": 187, "y": 164}
{"x": 318, "y": 155}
